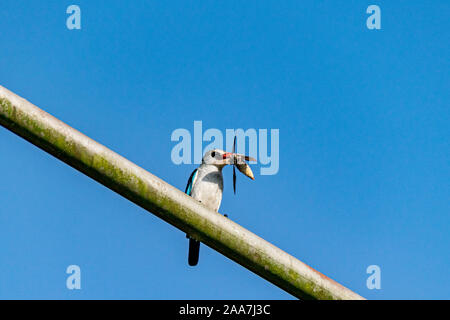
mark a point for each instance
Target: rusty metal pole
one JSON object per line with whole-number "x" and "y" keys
{"x": 165, "y": 201}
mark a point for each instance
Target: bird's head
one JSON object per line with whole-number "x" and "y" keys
{"x": 220, "y": 159}
{"x": 217, "y": 157}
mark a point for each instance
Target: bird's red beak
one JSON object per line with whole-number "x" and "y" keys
{"x": 227, "y": 155}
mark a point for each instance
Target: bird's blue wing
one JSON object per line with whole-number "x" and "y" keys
{"x": 191, "y": 182}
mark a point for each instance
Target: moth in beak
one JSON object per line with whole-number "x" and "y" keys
{"x": 239, "y": 161}
{"x": 243, "y": 166}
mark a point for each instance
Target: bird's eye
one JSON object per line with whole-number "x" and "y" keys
{"x": 213, "y": 154}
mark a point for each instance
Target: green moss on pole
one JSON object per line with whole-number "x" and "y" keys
{"x": 165, "y": 201}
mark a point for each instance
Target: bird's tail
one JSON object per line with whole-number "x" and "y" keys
{"x": 194, "y": 251}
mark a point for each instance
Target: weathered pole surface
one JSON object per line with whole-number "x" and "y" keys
{"x": 165, "y": 201}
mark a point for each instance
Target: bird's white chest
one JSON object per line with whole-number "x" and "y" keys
{"x": 208, "y": 187}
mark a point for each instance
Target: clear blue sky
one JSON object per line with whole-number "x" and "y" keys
{"x": 364, "y": 142}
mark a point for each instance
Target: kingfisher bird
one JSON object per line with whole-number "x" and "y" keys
{"x": 206, "y": 185}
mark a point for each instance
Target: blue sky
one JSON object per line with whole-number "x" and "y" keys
{"x": 364, "y": 142}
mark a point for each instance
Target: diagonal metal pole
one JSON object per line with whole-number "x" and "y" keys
{"x": 165, "y": 201}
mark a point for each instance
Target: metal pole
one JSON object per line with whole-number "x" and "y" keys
{"x": 165, "y": 201}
